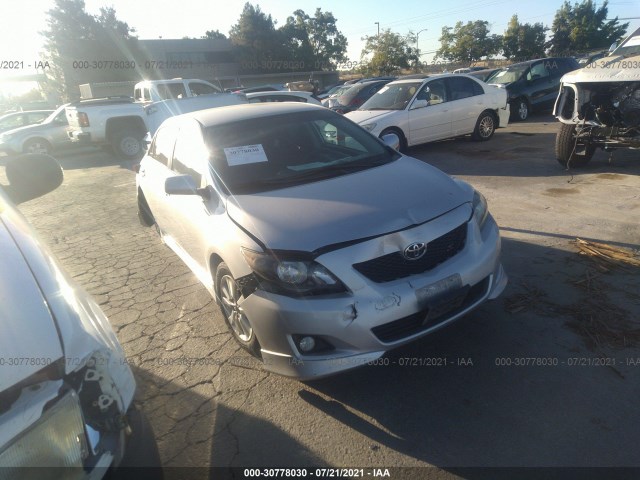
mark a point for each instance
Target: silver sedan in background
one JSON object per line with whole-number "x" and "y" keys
{"x": 324, "y": 246}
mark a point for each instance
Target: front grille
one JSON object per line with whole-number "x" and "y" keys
{"x": 394, "y": 265}
{"x": 417, "y": 322}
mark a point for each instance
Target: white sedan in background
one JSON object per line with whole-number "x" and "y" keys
{"x": 434, "y": 108}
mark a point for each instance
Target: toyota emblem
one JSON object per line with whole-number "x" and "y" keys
{"x": 415, "y": 251}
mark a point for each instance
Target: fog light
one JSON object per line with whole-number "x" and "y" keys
{"x": 306, "y": 344}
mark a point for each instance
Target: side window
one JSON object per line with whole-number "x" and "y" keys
{"x": 333, "y": 135}
{"x": 198, "y": 88}
{"x": 171, "y": 90}
{"x": 161, "y": 148}
{"x": 61, "y": 118}
{"x": 190, "y": 154}
{"x": 461, "y": 87}
{"x": 36, "y": 117}
{"x": 538, "y": 70}
{"x": 12, "y": 122}
{"x": 137, "y": 94}
{"x": 434, "y": 92}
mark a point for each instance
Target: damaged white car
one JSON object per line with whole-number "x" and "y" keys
{"x": 66, "y": 389}
{"x": 599, "y": 106}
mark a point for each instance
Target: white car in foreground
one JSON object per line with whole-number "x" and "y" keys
{"x": 434, "y": 108}
{"x": 66, "y": 388}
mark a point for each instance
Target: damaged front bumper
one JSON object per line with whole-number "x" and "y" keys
{"x": 356, "y": 328}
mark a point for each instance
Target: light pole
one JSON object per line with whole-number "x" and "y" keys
{"x": 378, "y": 24}
{"x": 418, "y": 46}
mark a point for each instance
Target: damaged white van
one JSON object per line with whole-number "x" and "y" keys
{"x": 599, "y": 106}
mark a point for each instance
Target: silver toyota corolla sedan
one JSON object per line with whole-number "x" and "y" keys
{"x": 324, "y": 246}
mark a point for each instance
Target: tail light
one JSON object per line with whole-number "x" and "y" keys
{"x": 83, "y": 119}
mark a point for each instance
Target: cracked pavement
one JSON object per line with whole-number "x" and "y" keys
{"x": 211, "y": 404}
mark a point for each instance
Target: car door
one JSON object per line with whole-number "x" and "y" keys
{"x": 429, "y": 113}
{"x": 191, "y": 215}
{"x": 155, "y": 169}
{"x": 540, "y": 84}
{"x": 467, "y": 103}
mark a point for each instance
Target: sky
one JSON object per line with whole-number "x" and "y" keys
{"x": 22, "y": 20}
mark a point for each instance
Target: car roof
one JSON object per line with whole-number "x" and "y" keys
{"x": 237, "y": 113}
{"x": 430, "y": 77}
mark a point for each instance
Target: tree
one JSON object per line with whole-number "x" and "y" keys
{"x": 258, "y": 43}
{"x": 214, "y": 35}
{"x": 390, "y": 52}
{"x": 523, "y": 41}
{"x": 314, "y": 41}
{"x": 468, "y": 43}
{"x": 582, "y": 27}
{"x": 75, "y": 40}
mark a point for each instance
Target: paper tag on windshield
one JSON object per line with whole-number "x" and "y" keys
{"x": 245, "y": 155}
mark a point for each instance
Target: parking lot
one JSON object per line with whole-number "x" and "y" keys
{"x": 547, "y": 375}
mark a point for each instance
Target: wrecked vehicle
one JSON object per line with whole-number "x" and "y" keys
{"x": 66, "y": 388}
{"x": 599, "y": 106}
{"x": 323, "y": 245}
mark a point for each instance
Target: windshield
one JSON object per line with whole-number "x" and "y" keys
{"x": 392, "y": 97}
{"x": 508, "y": 75}
{"x": 631, "y": 46}
{"x": 348, "y": 95}
{"x": 280, "y": 151}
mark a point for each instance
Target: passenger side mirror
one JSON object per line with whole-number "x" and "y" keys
{"x": 180, "y": 185}
{"x": 391, "y": 140}
{"x": 31, "y": 176}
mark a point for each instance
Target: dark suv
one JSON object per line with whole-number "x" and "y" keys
{"x": 533, "y": 85}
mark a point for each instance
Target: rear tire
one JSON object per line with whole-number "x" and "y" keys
{"x": 568, "y": 152}
{"x": 228, "y": 293}
{"x": 128, "y": 145}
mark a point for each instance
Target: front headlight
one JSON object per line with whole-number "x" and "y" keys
{"x": 369, "y": 126}
{"x": 480, "y": 209}
{"x": 290, "y": 276}
{"x": 56, "y": 441}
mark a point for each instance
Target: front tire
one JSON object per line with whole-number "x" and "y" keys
{"x": 128, "y": 145}
{"x": 569, "y": 151}
{"x": 520, "y": 109}
{"x": 485, "y": 127}
{"x": 144, "y": 212}
{"x": 228, "y": 293}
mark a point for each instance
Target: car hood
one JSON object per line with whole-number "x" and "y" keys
{"x": 362, "y": 116}
{"x": 29, "y": 337}
{"x": 351, "y": 207}
{"x": 608, "y": 69}
{"x": 51, "y": 317}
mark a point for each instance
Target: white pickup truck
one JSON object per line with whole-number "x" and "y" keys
{"x": 123, "y": 122}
